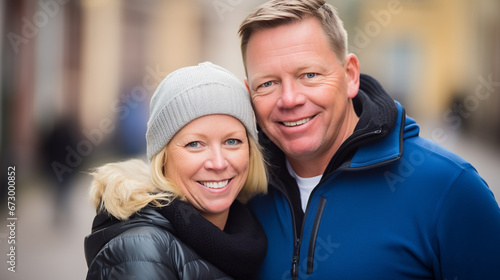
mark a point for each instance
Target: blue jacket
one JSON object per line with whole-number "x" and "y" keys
{"x": 390, "y": 205}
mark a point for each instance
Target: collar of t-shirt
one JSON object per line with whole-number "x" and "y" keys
{"x": 306, "y": 185}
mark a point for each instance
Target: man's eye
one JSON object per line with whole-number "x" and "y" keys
{"x": 310, "y": 75}
{"x": 233, "y": 142}
{"x": 267, "y": 84}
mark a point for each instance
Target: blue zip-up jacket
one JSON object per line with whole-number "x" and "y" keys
{"x": 390, "y": 205}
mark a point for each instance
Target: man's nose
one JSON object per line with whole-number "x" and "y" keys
{"x": 291, "y": 95}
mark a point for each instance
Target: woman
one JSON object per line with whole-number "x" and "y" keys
{"x": 179, "y": 218}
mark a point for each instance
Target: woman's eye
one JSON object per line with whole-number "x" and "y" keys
{"x": 194, "y": 144}
{"x": 233, "y": 142}
{"x": 310, "y": 75}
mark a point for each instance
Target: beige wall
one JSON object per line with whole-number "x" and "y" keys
{"x": 100, "y": 73}
{"x": 439, "y": 33}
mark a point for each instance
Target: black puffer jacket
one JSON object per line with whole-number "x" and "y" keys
{"x": 144, "y": 248}
{"x": 153, "y": 244}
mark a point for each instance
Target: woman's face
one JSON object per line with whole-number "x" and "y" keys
{"x": 208, "y": 160}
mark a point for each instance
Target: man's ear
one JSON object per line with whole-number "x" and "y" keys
{"x": 248, "y": 87}
{"x": 351, "y": 66}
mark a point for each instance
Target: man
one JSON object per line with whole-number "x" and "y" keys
{"x": 354, "y": 192}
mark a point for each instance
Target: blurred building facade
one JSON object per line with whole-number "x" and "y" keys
{"x": 441, "y": 59}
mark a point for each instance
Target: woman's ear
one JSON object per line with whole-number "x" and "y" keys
{"x": 351, "y": 66}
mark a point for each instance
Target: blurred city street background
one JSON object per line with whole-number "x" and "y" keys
{"x": 76, "y": 77}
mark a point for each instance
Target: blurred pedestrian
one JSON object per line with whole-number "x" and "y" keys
{"x": 53, "y": 154}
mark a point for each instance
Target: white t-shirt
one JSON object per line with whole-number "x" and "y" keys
{"x": 306, "y": 185}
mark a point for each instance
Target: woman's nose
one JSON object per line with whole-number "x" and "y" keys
{"x": 217, "y": 161}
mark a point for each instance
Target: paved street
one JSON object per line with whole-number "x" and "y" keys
{"x": 45, "y": 250}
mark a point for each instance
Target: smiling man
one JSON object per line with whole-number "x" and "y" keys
{"x": 302, "y": 93}
{"x": 355, "y": 192}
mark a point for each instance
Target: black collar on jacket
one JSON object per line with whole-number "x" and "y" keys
{"x": 377, "y": 115}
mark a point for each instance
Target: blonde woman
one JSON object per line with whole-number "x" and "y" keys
{"x": 183, "y": 217}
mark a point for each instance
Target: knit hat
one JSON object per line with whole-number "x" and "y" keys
{"x": 192, "y": 92}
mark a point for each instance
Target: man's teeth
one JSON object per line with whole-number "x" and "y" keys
{"x": 215, "y": 185}
{"x": 303, "y": 121}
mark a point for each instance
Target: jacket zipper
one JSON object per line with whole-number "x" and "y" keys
{"x": 295, "y": 259}
{"x": 296, "y": 246}
{"x": 317, "y": 220}
{"x": 314, "y": 235}
{"x": 297, "y": 241}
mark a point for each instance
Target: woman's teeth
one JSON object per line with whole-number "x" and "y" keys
{"x": 215, "y": 185}
{"x": 299, "y": 122}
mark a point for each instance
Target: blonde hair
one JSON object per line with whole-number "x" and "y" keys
{"x": 257, "y": 174}
{"x": 123, "y": 188}
{"x": 280, "y": 12}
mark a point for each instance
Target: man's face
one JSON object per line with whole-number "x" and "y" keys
{"x": 300, "y": 92}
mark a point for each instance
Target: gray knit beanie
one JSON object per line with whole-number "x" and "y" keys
{"x": 192, "y": 92}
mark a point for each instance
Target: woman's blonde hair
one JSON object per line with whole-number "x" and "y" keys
{"x": 123, "y": 188}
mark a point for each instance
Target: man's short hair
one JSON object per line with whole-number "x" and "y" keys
{"x": 280, "y": 12}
